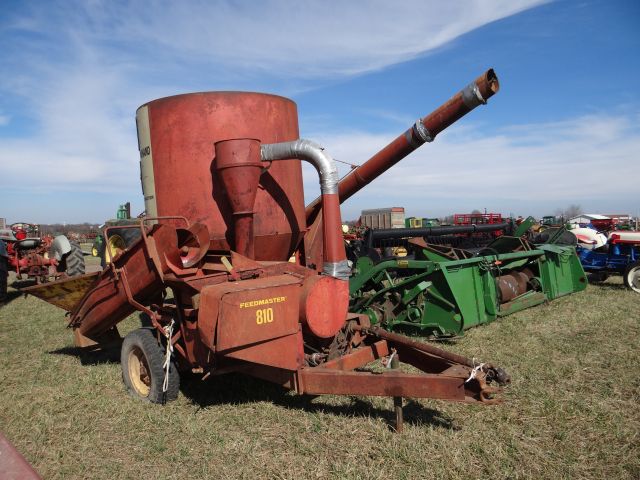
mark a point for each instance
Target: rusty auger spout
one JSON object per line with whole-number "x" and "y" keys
{"x": 423, "y": 131}
{"x": 97, "y": 302}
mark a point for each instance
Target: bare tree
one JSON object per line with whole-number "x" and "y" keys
{"x": 572, "y": 210}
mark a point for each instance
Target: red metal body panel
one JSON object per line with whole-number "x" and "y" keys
{"x": 109, "y": 302}
{"x": 13, "y": 466}
{"x": 183, "y": 131}
{"x": 283, "y": 353}
{"x": 255, "y": 310}
{"x": 324, "y": 305}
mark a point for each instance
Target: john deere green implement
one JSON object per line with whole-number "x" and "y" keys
{"x": 443, "y": 291}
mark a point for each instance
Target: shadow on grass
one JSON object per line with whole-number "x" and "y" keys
{"x": 234, "y": 389}
{"x": 91, "y": 357}
{"x": 10, "y": 297}
{"x": 18, "y": 284}
{"x": 609, "y": 286}
{"x": 16, "y": 293}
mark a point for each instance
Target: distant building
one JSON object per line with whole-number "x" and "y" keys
{"x": 383, "y": 217}
{"x": 3, "y": 223}
{"x": 585, "y": 219}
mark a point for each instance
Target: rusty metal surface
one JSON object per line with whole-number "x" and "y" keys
{"x": 64, "y": 293}
{"x": 239, "y": 167}
{"x": 283, "y": 352}
{"x": 420, "y": 346}
{"x": 324, "y": 301}
{"x": 316, "y": 381}
{"x": 359, "y": 357}
{"x": 193, "y": 243}
{"x": 13, "y": 465}
{"x": 445, "y": 375}
{"x": 252, "y": 311}
{"x": 183, "y": 131}
{"x": 133, "y": 276}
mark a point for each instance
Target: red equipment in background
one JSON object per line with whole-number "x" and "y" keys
{"x": 28, "y": 251}
{"x": 480, "y": 219}
{"x": 40, "y": 257}
{"x": 37, "y": 257}
{"x": 477, "y": 218}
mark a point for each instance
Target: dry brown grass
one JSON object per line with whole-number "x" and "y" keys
{"x": 571, "y": 411}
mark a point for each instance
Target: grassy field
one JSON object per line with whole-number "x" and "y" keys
{"x": 570, "y": 412}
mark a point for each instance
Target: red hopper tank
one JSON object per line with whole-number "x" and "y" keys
{"x": 176, "y": 139}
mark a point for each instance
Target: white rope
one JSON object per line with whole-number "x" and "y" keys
{"x": 393, "y": 353}
{"x": 168, "y": 332}
{"x": 474, "y": 372}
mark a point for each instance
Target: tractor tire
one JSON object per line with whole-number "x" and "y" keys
{"x": 4, "y": 276}
{"x": 141, "y": 359}
{"x": 632, "y": 277}
{"x": 597, "y": 277}
{"x": 119, "y": 240}
{"x": 73, "y": 262}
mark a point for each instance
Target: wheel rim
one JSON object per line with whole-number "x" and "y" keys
{"x": 115, "y": 245}
{"x": 94, "y": 251}
{"x": 139, "y": 372}
{"x": 633, "y": 277}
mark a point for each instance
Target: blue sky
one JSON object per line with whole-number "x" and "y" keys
{"x": 563, "y": 129}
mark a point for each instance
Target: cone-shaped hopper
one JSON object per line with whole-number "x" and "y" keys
{"x": 239, "y": 166}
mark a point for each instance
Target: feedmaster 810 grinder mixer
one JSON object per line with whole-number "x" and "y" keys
{"x": 214, "y": 269}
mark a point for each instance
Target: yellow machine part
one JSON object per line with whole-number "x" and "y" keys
{"x": 115, "y": 246}
{"x": 65, "y": 293}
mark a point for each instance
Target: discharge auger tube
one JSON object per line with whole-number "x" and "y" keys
{"x": 424, "y": 130}
{"x": 379, "y": 234}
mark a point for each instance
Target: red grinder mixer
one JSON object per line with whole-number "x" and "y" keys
{"x": 235, "y": 274}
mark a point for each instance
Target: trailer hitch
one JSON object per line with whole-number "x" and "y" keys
{"x": 479, "y": 376}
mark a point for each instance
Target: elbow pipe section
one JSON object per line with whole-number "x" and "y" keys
{"x": 335, "y": 259}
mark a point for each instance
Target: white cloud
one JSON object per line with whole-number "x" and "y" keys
{"x": 83, "y": 67}
{"x": 591, "y": 160}
{"x": 80, "y": 68}
{"x": 320, "y": 38}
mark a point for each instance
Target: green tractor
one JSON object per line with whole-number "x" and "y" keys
{"x": 117, "y": 235}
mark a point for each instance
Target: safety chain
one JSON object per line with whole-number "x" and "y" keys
{"x": 168, "y": 332}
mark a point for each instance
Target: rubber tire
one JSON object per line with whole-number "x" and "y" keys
{"x": 73, "y": 262}
{"x": 634, "y": 267}
{"x": 4, "y": 275}
{"x": 129, "y": 235}
{"x": 144, "y": 339}
{"x": 597, "y": 277}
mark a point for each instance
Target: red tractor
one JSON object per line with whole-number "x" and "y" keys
{"x": 41, "y": 258}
